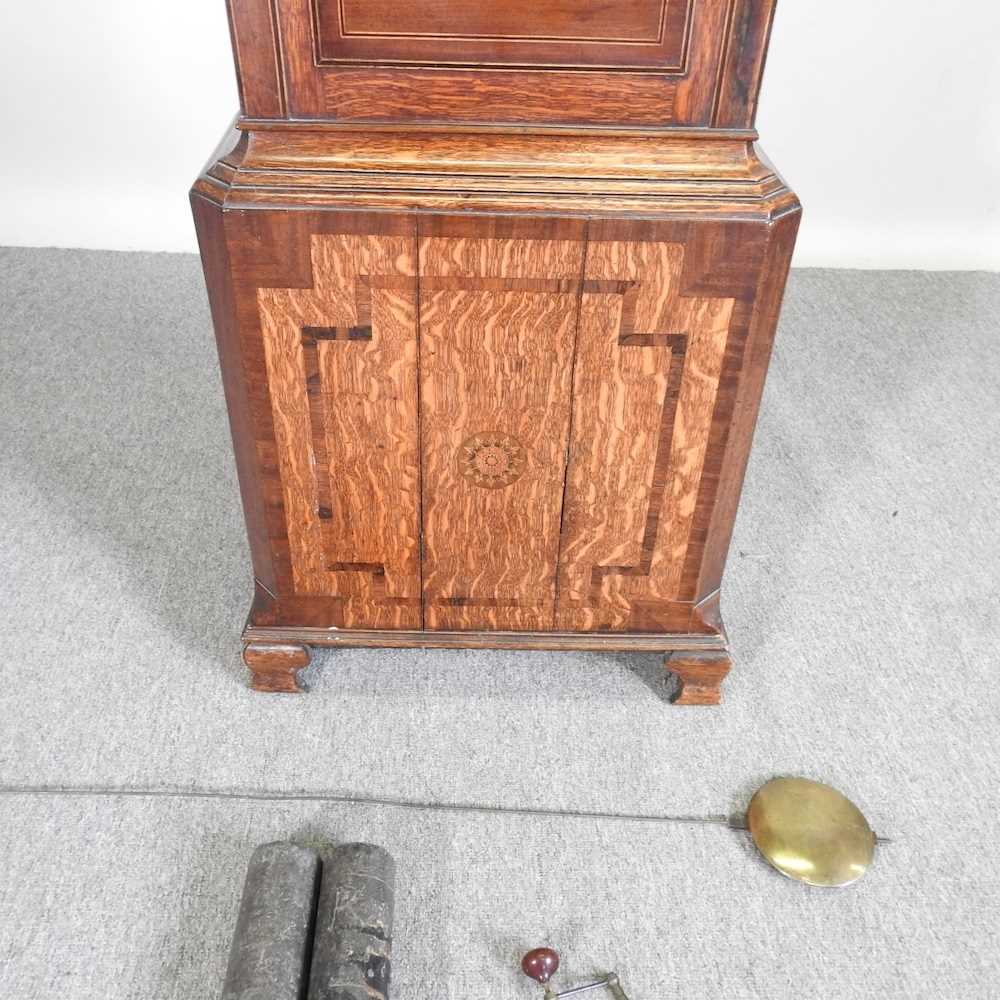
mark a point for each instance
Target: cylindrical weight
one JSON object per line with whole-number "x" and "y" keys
{"x": 269, "y": 957}
{"x": 352, "y": 951}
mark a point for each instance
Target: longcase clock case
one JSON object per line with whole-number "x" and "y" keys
{"x": 494, "y": 288}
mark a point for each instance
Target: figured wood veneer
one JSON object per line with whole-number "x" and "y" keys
{"x": 344, "y": 411}
{"x": 647, "y": 374}
{"x": 496, "y": 351}
{"x": 579, "y": 365}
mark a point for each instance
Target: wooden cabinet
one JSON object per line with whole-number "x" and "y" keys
{"x": 494, "y": 288}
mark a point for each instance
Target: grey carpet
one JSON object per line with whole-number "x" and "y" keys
{"x": 862, "y": 601}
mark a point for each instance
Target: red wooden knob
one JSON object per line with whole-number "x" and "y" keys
{"x": 540, "y": 964}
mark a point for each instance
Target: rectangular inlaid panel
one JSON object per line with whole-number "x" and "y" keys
{"x": 559, "y": 20}
{"x": 497, "y": 328}
{"x": 634, "y": 63}
{"x": 630, "y": 33}
{"x": 341, "y": 363}
{"x": 647, "y": 372}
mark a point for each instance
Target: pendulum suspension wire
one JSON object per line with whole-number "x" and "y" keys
{"x": 736, "y": 822}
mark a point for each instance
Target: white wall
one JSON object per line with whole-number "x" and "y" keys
{"x": 885, "y": 117}
{"x": 884, "y": 114}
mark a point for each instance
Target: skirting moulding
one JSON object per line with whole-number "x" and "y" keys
{"x": 494, "y": 288}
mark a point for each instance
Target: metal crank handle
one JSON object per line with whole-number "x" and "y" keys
{"x": 610, "y": 981}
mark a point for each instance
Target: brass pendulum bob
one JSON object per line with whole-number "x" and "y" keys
{"x": 811, "y": 832}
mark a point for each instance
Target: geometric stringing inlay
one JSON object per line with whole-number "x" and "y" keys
{"x": 337, "y": 332}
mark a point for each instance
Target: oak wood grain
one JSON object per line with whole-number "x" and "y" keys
{"x": 545, "y": 176}
{"x": 345, "y": 417}
{"x": 496, "y": 345}
{"x": 381, "y": 94}
{"x": 648, "y": 366}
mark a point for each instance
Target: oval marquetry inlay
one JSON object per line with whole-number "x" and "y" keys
{"x": 492, "y": 461}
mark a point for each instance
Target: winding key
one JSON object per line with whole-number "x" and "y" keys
{"x": 541, "y": 964}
